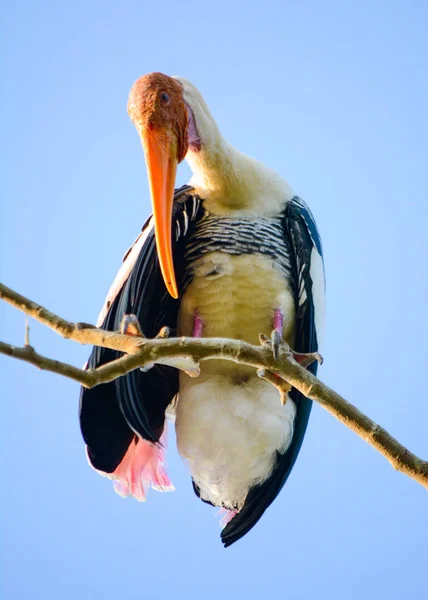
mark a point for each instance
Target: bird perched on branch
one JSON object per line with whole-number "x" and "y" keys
{"x": 232, "y": 254}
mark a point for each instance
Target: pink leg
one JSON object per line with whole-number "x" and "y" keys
{"x": 142, "y": 466}
{"x": 278, "y": 320}
{"x": 198, "y": 325}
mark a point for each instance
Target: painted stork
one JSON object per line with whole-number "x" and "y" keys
{"x": 232, "y": 254}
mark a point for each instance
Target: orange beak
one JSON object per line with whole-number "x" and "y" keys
{"x": 160, "y": 148}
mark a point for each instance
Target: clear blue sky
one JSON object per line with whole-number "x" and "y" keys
{"x": 331, "y": 94}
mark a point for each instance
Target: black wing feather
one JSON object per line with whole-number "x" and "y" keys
{"x": 112, "y": 413}
{"x": 302, "y": 233}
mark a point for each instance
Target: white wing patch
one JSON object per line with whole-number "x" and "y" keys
{"x": 302, "y": 292}
{"x": 124, "y": 272}
{"x": 316, "y": 273}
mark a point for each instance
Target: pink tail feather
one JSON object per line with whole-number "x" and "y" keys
{"x": 143, "y": 466}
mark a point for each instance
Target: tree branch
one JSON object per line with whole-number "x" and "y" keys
{"x": 78, "y": 332}
{"x": 28, "y": 354}
{"x": 185, "y": 353}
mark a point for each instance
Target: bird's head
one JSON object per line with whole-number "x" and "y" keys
{"x": 166, "y": 127}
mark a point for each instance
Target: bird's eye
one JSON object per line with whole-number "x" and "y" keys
{"x": 164, "y": 98}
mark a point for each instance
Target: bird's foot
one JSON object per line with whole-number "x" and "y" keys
{"x": 184, "y": 363}
{"x": 130, "y": 326}
{"x": 280, "y": 347}
{"x": 306, "y": 359}
{"x": 281, "y": 385}
{"x": 164, "y": 333}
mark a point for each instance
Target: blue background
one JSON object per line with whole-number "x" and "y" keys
{"x": 333, "y": 95}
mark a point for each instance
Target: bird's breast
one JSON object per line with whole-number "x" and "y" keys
{"x": 237, "y": 273}
{"x": 235, "y": 296}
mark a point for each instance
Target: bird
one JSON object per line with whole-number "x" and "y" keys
{"x": 233, "y": 253}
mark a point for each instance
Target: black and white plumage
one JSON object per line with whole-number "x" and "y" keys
{"x": 234, "y": 269}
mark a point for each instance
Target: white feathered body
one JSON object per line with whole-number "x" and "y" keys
{"x": 230, "y": 423}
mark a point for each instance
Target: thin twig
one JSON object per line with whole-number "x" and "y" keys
{"x": 83, "y": 333}
{"x": 28, "y": 354}
{"x": 27, "y": 332}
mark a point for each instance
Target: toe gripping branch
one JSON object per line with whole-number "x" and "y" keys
{"x": 279, "y": 347}
{"x": 131, "y": 326}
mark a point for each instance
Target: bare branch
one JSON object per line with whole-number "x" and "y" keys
{"x": 28, "y": 354}
{"x": 78, "y": 332}
{"x": 143, "y": 353}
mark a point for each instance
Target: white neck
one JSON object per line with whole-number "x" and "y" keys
{"x": 228, "y": 180}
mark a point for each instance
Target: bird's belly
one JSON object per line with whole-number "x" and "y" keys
{"x": 230, "y": 424}
{"x": 236, "y": 297}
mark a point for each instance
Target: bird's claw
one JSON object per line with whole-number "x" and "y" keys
{"x": 281, "y": 385}
{"x": 279, "y": 346}
{"x": 308, "y": 358}
{"x": 164, "y": 333}
{"x": 130, "y": 326}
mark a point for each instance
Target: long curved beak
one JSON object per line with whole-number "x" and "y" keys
{"x": 160, "y": 148}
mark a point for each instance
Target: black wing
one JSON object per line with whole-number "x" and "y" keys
{"x": 306, "y": 251}
{"x": 112, "y": 413}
